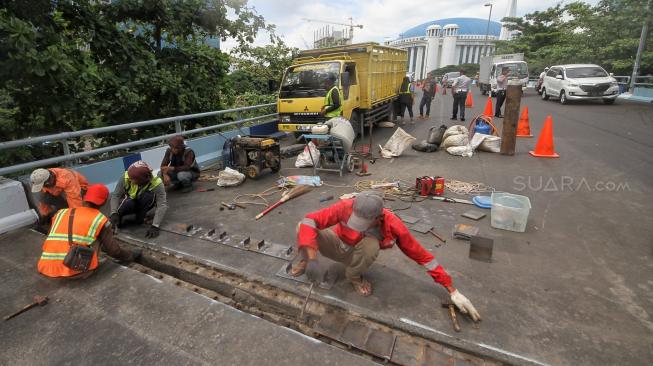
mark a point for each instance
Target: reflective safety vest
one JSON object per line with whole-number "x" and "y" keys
{"x": 134, "y": 190}
{"x": 407, "y": 91}
{"x": 328, "y": 100}
{"x": 87, "y": 225}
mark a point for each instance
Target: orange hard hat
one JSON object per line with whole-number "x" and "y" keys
{"x": 97, "y": 194}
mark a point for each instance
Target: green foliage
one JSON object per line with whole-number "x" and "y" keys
{"x": 260, "y": 69}
{"x": 606, "y": 34}
{"x": 470, "y": 70}
{"x": 70, "y": 65}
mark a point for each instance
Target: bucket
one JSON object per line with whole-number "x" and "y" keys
{"x": 483, "y": 127}
{"x": 509, "y": 211}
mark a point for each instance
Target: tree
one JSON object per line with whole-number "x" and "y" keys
{"x": 470, "y": 69}
{"x": 70, "y": 65}
{"x": 606, "y": 34}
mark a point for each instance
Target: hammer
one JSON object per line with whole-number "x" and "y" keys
{"x": 452, "y": 314}
{"x": 38, "y": 300}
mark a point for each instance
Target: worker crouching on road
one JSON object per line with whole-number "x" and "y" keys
{"x": 68, "y": 249}
{"x": 361, "y": 227}
{"x": 138, "y": 192}
{"x": 59, "y": 188}
{"x": 179, "y": 167}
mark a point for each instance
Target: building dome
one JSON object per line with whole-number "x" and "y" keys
{"x": 466, "y": 26}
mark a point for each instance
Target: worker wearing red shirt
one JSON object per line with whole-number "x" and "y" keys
{"x": 352, "y": 232}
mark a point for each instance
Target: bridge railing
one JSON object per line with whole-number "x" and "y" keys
{"x": 69, "y": 156}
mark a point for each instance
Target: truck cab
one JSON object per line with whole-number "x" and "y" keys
{"x": 368, "y": 77}
{"x": 302, "y": 92}
{"x": 491, "y": 66}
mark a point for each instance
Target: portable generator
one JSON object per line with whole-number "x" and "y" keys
{"x": 252, "y": 154}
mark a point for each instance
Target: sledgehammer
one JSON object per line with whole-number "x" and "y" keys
{"x": 38, "y": 300}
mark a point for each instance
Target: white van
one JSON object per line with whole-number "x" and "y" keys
{"x": 579, "y": 82}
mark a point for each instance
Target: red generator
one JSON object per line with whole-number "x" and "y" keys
{"x": 429, "y": 186}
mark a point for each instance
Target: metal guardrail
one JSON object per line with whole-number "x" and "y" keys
{"x": 68, "y": 156}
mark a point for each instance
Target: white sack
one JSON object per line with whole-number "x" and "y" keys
{"x": 398, "y": 142}
{"x": 304, "y": 158}
{"x": 230, "y": 177}
{"x": 455, "y": 130}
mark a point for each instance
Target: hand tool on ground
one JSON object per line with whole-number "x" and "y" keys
{"x": 38, "y": 300}
{"x": 452, "y": 200}
{"x": 295, "y": 192}
{"x": 310, "y": 291}
{"x": 432, "y": 231}
{"x": 228, "y": 205}
{"x": 452, "y": 314}
{"x": 205, "y": 190}
{"x": 327, "y": 198}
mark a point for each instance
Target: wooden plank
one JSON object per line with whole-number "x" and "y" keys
{"x": 510, "y": 119}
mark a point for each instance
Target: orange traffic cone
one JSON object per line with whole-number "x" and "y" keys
{"x": 469, "y": 102}
{"x": 544, "y": 147}
{"x": 524, "y": 127}
{"x": 489, "y": 111}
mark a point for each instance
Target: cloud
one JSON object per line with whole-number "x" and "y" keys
{"x": 381, "y": 19}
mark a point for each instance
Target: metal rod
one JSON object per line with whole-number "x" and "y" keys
{"x": 638, "y": 57}
{"x": 124, "y": 126}
{"x": 59, "y": 159}
{"x": 310, "y": 291}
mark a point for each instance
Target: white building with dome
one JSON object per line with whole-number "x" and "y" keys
{"x": 451, "y": 41}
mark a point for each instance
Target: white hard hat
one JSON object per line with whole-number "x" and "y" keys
{"x": 38, "y": 179}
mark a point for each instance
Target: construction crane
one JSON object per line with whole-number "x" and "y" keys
{"x": 351, "y": 25}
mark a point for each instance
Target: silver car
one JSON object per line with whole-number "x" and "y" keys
{"x": 579, "y": 82}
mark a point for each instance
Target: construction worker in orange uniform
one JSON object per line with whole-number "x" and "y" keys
{"x": 352, "y": 232}
{"x": 54, "y": 184}
{"x": 81, "y": 226}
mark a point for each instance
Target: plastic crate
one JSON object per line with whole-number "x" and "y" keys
{"x": 509, "y": 211}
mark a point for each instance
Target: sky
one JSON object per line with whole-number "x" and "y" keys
{"x": 381, "y": 19}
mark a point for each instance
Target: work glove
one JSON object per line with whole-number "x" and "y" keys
{"x": 115, "y": 219}
{"x": 464, "y": 305}
{"x": 314, "y": 271}
{"x": 152, "y": 232}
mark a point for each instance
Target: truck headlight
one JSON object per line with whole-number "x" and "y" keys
{"x": 285, "y": 118}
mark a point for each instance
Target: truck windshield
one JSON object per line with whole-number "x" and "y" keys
{"x": 586, "y": 72}
{"x": 517, "y": 70}
{"x": 307, "y": 81}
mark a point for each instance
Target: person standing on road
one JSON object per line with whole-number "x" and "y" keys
{"x": 502, "y": 83}
{"x": 406, "y": 97}
{"x": 332, "y": 103}
{"x": 352, "y": 232}
{"x": 81, "y": 226}
{"x": 179, "y": 166}
{"x": 59, "y": 188}
{"x": 460, "y": 88}
{"x": 428, "y": 92}
{"x": 137, "y": 192}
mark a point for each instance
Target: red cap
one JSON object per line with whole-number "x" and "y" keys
{"x": 97, "y": 194}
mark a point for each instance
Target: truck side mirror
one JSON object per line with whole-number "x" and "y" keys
{"x": 612, "y": 74}
{"x": 345, "y": 79}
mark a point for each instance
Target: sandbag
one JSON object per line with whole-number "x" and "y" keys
{"x": 461, "y": 150}
{"x": 455, "y": 140}
{"x": 398, "y": 142}
{"x": 485, "y": 142}
{"x": 308, "y": 157}
{"x": 342, "y": 129}
{"x": 230, "y": 177}
{"x": 424, "y": 146}
{"x": 455, "y": 130}
{"x": 436, "y": 135}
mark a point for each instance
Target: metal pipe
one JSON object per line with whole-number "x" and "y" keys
{"x": 638, "y": 57}
{"x": 487, "y": 30}
{"x": 124, "y": 126}
{"x": 102, "y": 150}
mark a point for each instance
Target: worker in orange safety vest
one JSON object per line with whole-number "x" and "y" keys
{"x": 59, "y": 188}
{"x": 88, "y": 226}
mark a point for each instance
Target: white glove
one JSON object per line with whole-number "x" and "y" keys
{"x": 464, "y": 305}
